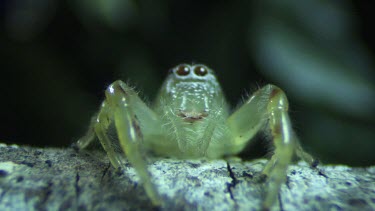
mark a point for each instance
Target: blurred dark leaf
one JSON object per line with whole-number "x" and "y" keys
{"x": 57, "y": 57}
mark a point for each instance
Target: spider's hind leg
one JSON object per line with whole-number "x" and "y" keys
{"x": 89, "y": 137}
{"x": 302, "y": 154}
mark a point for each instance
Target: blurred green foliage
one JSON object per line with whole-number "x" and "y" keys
{"x": 58, "y": 56}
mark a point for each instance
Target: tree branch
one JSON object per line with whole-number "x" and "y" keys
{"x": 60, "y": 179}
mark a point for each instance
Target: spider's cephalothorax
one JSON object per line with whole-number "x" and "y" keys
{"x": 190, "y": 119}
{"x": 191, "y": 88}
{"x": 192, "y": 106}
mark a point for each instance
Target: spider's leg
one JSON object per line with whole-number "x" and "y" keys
{"x": 98, "y": 127}
{"x": 126, "y": 105}
{"x": 268, "y": 107}
{"x": 101, "y": 128}
{"x": 313, "y": 162}
{"x": 125, "y": 109}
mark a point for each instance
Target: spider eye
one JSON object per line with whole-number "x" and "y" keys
{"x": 182, "y": 70}
{"x": 200, "y": 70}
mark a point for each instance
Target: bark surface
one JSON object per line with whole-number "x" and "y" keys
{"x": 64, "y": 179}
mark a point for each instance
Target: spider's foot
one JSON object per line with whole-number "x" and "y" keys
{"x": 265, "y": 208}
{"x": 75, "y": 147}
{"x": 260, "y": 178}
{"x": 119, "y": 171}
{"x": 315, "y": 163}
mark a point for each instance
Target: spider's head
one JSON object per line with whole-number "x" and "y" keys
{"x": 191, "y": 87}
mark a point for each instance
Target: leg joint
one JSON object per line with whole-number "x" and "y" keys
{"x": 117, "y": 94}
{"x": 277, "y": 99}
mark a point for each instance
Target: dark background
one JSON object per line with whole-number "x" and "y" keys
{"x": 57, "y": 57}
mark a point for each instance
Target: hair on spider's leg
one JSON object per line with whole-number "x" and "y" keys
{"x": 268, "y": 144}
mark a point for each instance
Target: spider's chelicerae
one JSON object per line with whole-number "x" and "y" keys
{"x": 190, "y": 119}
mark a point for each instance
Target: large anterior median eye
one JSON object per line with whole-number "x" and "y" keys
{"x": 200, "y": 70}
{"x": 182, "y": 70}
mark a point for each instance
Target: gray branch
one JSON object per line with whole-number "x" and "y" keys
{"x": 63, "y": 179}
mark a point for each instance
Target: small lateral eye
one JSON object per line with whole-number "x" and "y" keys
{"x": 200, "y": 70}
{"x": 182, "y": 70}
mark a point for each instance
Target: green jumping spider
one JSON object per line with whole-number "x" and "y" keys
{"x": 190, "y": 119}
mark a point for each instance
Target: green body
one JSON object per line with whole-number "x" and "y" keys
{"x": 190, "y": 119}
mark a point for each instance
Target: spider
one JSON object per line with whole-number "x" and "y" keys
{"x": 189, "y": 119}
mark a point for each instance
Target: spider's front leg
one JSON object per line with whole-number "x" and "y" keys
{"x": 268, "y": 107}
{"x": 125, "y": 109}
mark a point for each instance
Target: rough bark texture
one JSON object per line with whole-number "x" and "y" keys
{"x": 63, "y": 179}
